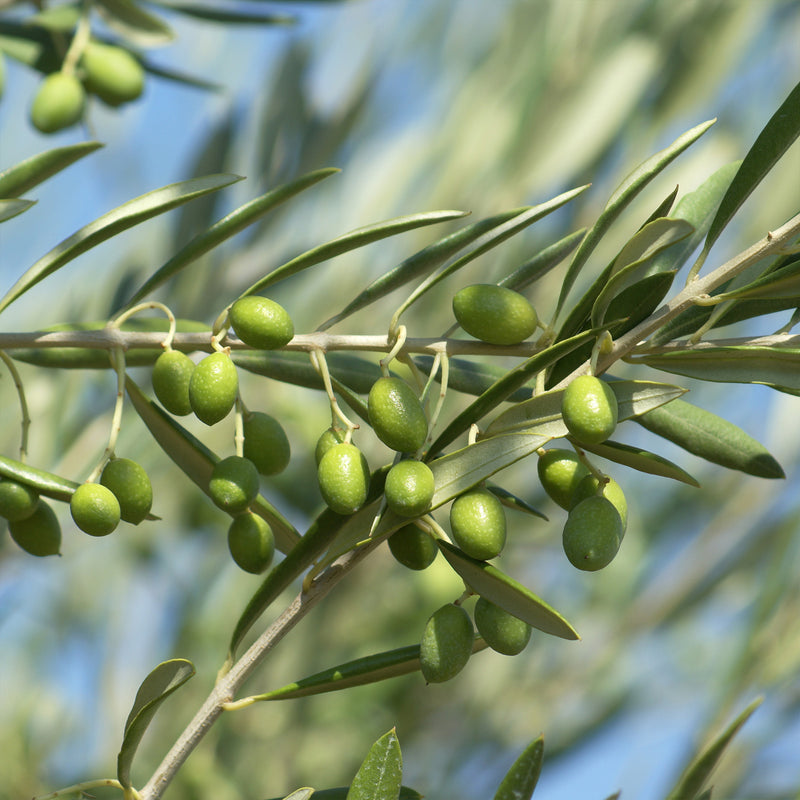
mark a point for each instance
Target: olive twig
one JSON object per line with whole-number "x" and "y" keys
{"x": 25, "y": 422}
{"x": 400, "y": 340}
{"x": 117, "y": 356}
{"x": 321, "y": 366}
{"x": 238, "y": 426}
{"x": 83, "y": 787}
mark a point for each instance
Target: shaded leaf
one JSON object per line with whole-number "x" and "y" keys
{"x": 772, "y": 286}
{"x": 21, "y": 178}
{"x": 224, "y": 15}
{"x": 45, "y": 483}
{"x": 380, "y": 775}
{"x": 12, "y": 208}
{"x": 641, "y": 460}
{"x": 156, "y": 687}
{"x": 471, "y": 377}
{"x": 520, "y": 781}
{"x": 510, "y": 500}
{"x": 178, "y": 76}
{"x": 130, "y": 20}
{"x": 502, "y": 590}
{"x": 711, "y": 437}
{"x": 120, "y": 219}
{"x": 638, "y": 301}
{"x": 540, "y": 264}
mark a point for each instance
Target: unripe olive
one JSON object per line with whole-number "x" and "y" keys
{"x": 446, "y": 643}
{"x": 213, "y": 387}
{"x": 261, "y": 323}
{"x": 265, "y": 443}
{"x": 589, "y": 409}
{"x": 494, "y": 314}
{"x": 131, "y": 486}
{"x": 328, "y": 439}
{"x": 478, "y": 524}
{"x": 112, "y": 73}
{"x": 590, "y": 486}
{"x": 343, "y": 476}
{"x": 592, "y": 533}
{"x": 58, "y": 102}
{"x": 396, "y": 415}
{"x": 412, "y": 547}
{"x": 94, "y": 509}
{"x": 172, "y": 373}
{"x": 17, "y": 501}
{"x": 560, "y": 472}
{"x": 251, "y": 542}
{"x": 503, "y": 632}
{"x": 39, "y": 534}
{"x": 409, "y": 488}
{"x": 234, "y": 484}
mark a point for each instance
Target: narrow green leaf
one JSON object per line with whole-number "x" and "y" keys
{"x": 350, "y": 241}
{"x": 510, "y": 500}
{"x": 120, "y": 219}
{"x": 504, "y": 591}
{"x": 228, "y": 226}
{"x": 641, "y": 460}
{"x": 196, "y": 461}
{"x": 130, "y": 20}
{"x": 45, "y": 483}
{"x": 300, "y": 794}
{"x": 225, "y": 16}
{"x": 28, "y": 45}
{"x": 772, "y": 286}
{"x": 156, "y": 687}
{"x": 21, "y": 178}
{"x": 711, "y": 437}
{"x": 622, "y": 197}
{"x": 12, "y": 208}
{"x": 380, "y": 775}
{"x": 421, "y": 263}
{"x": 178, "y": 76}
{"x": 638, "y": 301}
{"x": 520, "y": 781}
{"x": 690, "y": 784}
{"x": 540, "y": 264}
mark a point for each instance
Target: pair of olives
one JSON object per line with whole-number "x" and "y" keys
{"x": 32, "y": 523}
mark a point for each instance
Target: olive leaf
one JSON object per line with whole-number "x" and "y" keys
{"x": 510, "y": 500}
{"x": 520, "y": 781}
{"x": 22, "y": 177}
{"x": 690, "y": 783}
{"x": 711, "y": 437}
{"x": 300, "y": 794}
{"x": 62, "y": 18}
{"x": 471, "y": 377}
{"x": 45, "y": 483}
{"x": 156, "y": 687}
{"x": 380, "y": 775}
{"x": 120, "y": 219}
{"x": 224, "y": 15}
{"x": 784, "y": 284}
{"x": 130, "y": 20}
{"x": 340, "y": 793}
{"x": 641, "y": 460}
{"x": 502, "y": 590}
{"x": 540, "y": 264}
{"x": 13, "y": 208}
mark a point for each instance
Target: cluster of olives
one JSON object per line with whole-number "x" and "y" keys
{"x": 31, "y": 521}
{"x": 109, "y": 72}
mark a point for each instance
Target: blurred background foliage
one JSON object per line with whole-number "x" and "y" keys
{"x": 445, "y": 104}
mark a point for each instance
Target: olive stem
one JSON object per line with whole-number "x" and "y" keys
{"x": 83, "y": 32}
{"x": 117, "y": 356}
{"x": 121, "y": 318}
{"x": 444, "y": 364}
{"x": 399, "y": 341}
{"x": 238, "y": 427}
{"x": 320, "y": 364}
{"x": 25, "y": 422}
{"x": 81, "y": 787}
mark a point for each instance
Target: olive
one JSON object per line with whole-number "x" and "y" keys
{"x": 40, "y": 533}
{"x": 478, "y": 524}
{"x": 446, "y": 643}
{"x": 17, "y": 501}
{"x": 94, "y": 509}
{"x": 494, "y": 314}
{"x": 589, "y": 409}
{"x": 327, "y": 439}
{"x": 265, "y": 443}
{"x": 560, "y": 472}
{"x": 412, "y": 547}
{"x": 112, "y": 73}
{"x": 396, "y": 415}
{"x": 131, "y": 486}
{"x": 343, "y": 476}
{"x": 213, "y": 388}
{"x": 611, "y": 490}
{"x": 503, "y": 632}
{"x": 172, "y": 373}
{"x": 58, "y": 102}
{"x": 234, "y": 484}
{"x": 261, "y": 323}
{"x": 409, "y": 488}
{"x": 251, "y": 542}
{"x": 592, "y": 533}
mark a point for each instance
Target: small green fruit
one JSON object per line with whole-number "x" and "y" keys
{"x": 478, "y": 524}
{"x": 251, "y": 542}
{"x": 112, "y": 73}
{"x": 95, "y": 509}
{"x": 590, "y": 486}
{"x": 234, "y": 484}
{"x": 58, "y": 103}
{"x": 39, "y": 534}
{"x": 131, "y": 486}
{"x": 589, "y": 409}
{"x": 592, "y": 533}
{"x": 503, "y": 632}
{"x": 446, "y": 644}
{"x": 560, "y": 472}
{"x": 172, "y": 373}
{"x": 409, "y": 488}
{"x": 328, "y": 439}
{"x": 396, "y": 415}
{"x": 261, "y": 323}
{"x": 213, "y": 388}
{"x": 412, "y": 547}
{"x": 494, "y": 314}
{"x": 265, "y": 443}
{"x": 17, "y": 501}
{"x": 343, "y": 476}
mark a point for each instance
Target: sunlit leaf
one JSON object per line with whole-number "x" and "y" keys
{"x": 520, "y": 781}
{"x": 21, "y": 178}
{"x": 540, "y": 264}
{"x": 45, "y": 483}
{"x": 380, "y": 775}
{"x": 772, "y": 286}
{"x": 641, "y": 460}
{"x": 138, "y": 26}
{"x": 12, "y": 208}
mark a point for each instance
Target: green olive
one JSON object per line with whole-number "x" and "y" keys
{"x": 58, "y": 103}
{"x": 409, "y": 488}
{"x": 328, "y": 439}
{"x": 112, "y": 73}
{"x": 251, "y": 542}
{"x": 343, "y": 476}
{"x": 213, "y": 388}
{"x": 172, "y": 373}
{"x": 590, "y": 486}
{"x": 446, "y": 643}
{"x": 131, "y": 486}
{"x": 94, "y": 509}
{"x": 40, "y": 533}
{"x": 265, "y": 443}
{"x": 560, "y": 472}
{"x": 234, "y": 484}
{"x": 17, "y": 501}
{"x": 503, "y": 632}
{"x": 261, "y": 323}
{"x": 396, "y": 415}
{"x": 412, "y": 547}
{"x": 478, "y": 524}
{"x": 592, "y": 533}
{"x": 589, "y": 409}
{"x": 494, "y": 314}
